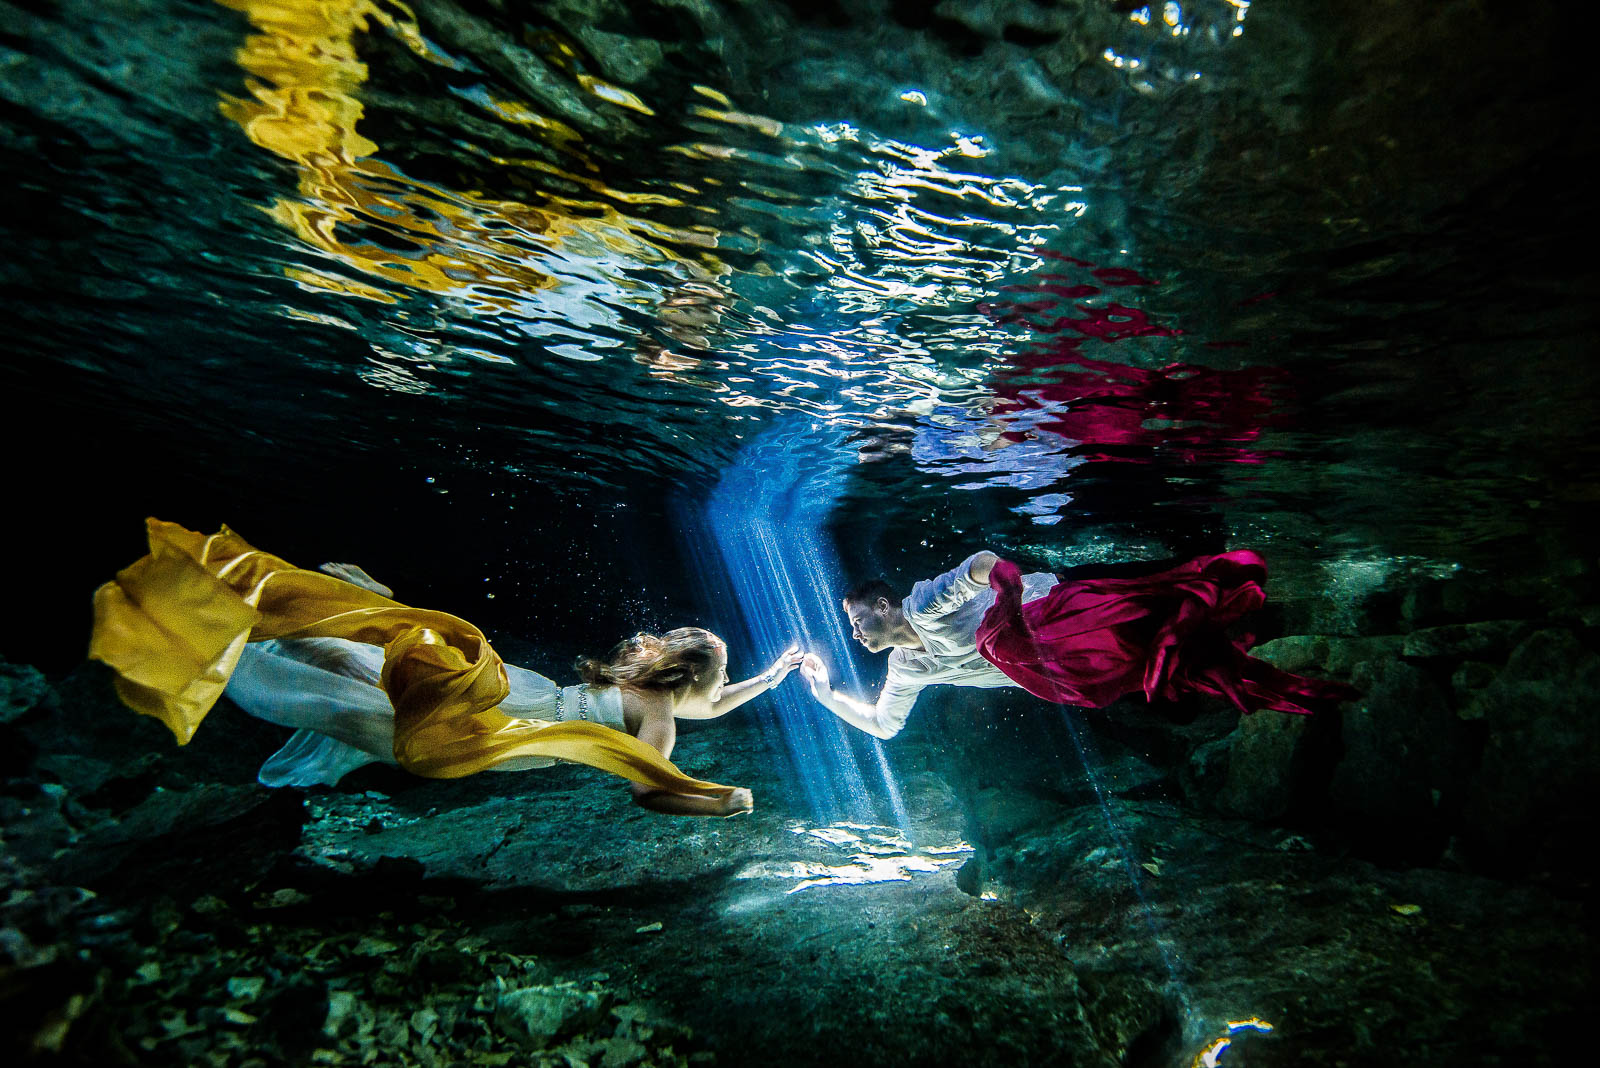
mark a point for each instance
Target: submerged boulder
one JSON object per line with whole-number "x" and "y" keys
{"x": 1534, "y": 789}
{"x": 1401, "y": 760}
{"x": 536, "y": 1016}
{"x": 1330, "y": 656}
{"x": 1260, "y": 781}
{"x": 22, "y": 689}
{"x": 1466, "y": 682}
{"x": 1490, "y": 640}
{"x": 995, "y": 816}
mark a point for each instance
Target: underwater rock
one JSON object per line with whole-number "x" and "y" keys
{"x": 1259, "y": 783}
{"x": 1459, "y": 597}
{"x": 166, "y": 814}
{"x": 38, "y": 826}
{"x": 821, "y": 963}
{"x": 1584, "y": 615}
{"x": 997, "y": 816}
{"x": 969, "y": 877}
{"x": 1466, "y": 682}
{"x": 23, "y": 692}
{"x": 622, "y": 1053}
{"x": 1535, "y": 584}
{"x": 536, "y": 1015}
{"x": 1134, "y": 744}
{"x": 1401, "y": 754}
{"x": 1328, "y": 655}
{"x": 1535, "y": 787}
{"x": 1204, "y": 773}
{"x": 50, "y": 982}
{"x": 110, "y": 757}
{"x": 293, "y": 1013}
{"x": 1245, "y": 923}
{"x": 1489, "y": 640}
{"x": 22, "y": 689}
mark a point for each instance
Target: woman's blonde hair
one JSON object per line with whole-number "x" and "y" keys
{"x": 670, "y": 661}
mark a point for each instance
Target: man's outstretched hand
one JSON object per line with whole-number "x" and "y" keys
{"x": 815, "y": 672}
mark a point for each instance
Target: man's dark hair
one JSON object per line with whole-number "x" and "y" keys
{"x": 869, "y": 591}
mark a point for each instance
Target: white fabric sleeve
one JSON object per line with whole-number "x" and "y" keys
{"x": 1037, "y": 584}
{"x": 932, "y": 598}
{"x": 894, "y": 703}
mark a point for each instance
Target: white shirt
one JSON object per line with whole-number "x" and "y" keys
{"x": 945, "y": 613}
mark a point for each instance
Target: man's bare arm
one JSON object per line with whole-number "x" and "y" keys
{"x": 859, "y": 714}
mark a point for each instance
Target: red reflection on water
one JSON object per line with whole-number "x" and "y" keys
{"x": 1197, "y": 412}
{"x": 1113, "y": 411}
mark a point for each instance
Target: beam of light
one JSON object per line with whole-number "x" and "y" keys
{"x": 759, "y": 537}
{"x": 861, "y": 855}
{"x": 1089, "y": 758}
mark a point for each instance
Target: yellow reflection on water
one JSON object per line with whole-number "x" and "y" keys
{"x": 1211, "y": 1055}
{"x": 303, "y": 105}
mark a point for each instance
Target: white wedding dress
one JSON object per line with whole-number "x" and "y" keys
{"x": 327, "y": 690}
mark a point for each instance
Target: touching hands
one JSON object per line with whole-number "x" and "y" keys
{"x": 781, "y": 667}
{"x": 738, "y": 802}
{"x": 815, "y": 672}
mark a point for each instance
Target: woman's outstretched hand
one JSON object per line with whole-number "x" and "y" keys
{"x": 781, "y": 667}
{"x": 738, "y": 802}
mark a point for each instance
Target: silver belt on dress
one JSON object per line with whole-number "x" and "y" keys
{"x": 583, "y": 703}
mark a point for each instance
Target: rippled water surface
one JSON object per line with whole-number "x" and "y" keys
{"x": 1084, "y": 279}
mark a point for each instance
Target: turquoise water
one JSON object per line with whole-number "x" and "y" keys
{"x": 594, "y": 249}
{"x": 578, "y": 318}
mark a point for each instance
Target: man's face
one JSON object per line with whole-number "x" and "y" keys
{"x": 869, "y": 624}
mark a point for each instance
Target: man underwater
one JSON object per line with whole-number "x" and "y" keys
{"x": 1081, "y": 641}
{"x": 932, "y": 637}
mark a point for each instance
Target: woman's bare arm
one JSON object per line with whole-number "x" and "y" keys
{"x": 736, "y": 803}
{"x": 737, "y": 693}
{"x": 657, "y": 728}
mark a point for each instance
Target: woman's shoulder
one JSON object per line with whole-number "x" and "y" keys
{"x": 638, "y": 705}
{"x": 642, "y": 700}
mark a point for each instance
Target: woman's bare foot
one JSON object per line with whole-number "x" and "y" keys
{"x": 357, "y": 577}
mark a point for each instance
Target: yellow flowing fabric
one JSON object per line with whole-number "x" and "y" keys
{"x": 174, "y": 624}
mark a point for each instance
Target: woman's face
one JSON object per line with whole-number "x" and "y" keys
{"x": 718, "y": 675}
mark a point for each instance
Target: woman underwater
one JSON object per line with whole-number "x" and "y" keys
{"x": 362, "y": 677}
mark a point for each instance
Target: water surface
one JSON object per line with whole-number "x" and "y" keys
{"x": 492, "y": 283}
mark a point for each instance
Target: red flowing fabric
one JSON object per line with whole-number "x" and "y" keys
{"x": 1090, "y": 641}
